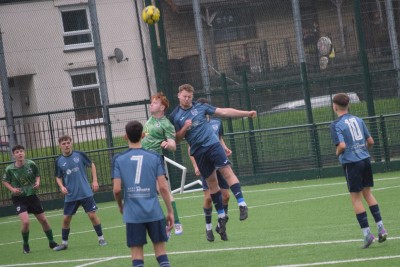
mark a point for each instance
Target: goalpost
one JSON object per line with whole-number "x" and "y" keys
{"x": 182, "y": 188}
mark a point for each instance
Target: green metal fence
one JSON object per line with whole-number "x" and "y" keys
{"x": 276, "y": 146}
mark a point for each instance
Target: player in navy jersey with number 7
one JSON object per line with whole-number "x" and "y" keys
{"x": 137, "y": 172}
{"x": 190, "y": 121}
{"x": 353, "y": 140}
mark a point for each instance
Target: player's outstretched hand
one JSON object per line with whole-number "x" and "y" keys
{"x": 95, "y": 186}
{"x": 252, "y": 114}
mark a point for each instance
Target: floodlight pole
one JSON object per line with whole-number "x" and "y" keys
{"x": 304, "y": 80}
{"x": 6, "y": 97}
{"x": 205, "y": 77}
{"x": 100, "y": 69}
{"x": 393, "y": 41}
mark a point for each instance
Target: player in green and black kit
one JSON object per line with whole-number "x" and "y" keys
{"x": 159, "y": 135}
{"x": 22, "y": 178}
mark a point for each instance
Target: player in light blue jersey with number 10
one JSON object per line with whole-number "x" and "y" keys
{"x": 137, "y": 171}
{"x": 352, "y": 139}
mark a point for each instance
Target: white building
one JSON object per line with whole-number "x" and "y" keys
{"x": 50, "y": 56}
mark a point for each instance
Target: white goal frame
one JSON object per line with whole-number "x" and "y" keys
{"x": 182, "y": 188}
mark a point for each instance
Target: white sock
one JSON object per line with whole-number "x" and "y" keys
{"x": 379, "y": 224}
{"x": 366, "y": 231}
{"x": 209, "y": 226}
{"x": 101, "y": 237}
{"x": 242, "y": 204}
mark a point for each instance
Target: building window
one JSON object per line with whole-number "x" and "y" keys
{"x": 234, "y": 25}
{"x": 86, "y": 97}
{"x": 77, "y": 31}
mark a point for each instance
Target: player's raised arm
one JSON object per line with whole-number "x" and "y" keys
{"x": 235, "y": 113}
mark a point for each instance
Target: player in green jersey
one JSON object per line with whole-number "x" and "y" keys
{"x": 22, "y": 178}
{"x": 159, "y": 135}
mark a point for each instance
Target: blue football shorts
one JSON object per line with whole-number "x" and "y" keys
{"x": 88, "y": 204}
{"x": 358, "y": 175}
{"x": 210, "y": 158}
{"x": 136, "y": 233}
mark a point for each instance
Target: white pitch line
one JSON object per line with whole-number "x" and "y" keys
{"x": 59, "y": 212}
{"x": 296, "y": 187}
{"x": 103, "y": 259}
{"x": 196, "y": 215}
{"x": 74, "y": 233}
{"x": 340, "y": 261}
{"x": 99, "y": 261}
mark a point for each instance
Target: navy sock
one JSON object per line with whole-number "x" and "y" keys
{"x": 208, "y": 215}
{"x": 362, "y": 219}
{"x": 98, "y": 229}
{"x": 138, "y": 263}
{"x": 226, "y": 209}
{"x": 237, "y": 192}
{"x": 65, "y": 234}
{"x": 217, "y": 200}
{"x": 163, "y": 261}
{"x": 376, "y": 213}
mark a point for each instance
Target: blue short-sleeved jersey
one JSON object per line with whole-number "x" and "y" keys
{"x": 216, "y": 125}
{"x": 138, "y": 170}
{"x": 72, "y": 169}
{"x": 354, "y": 133}
{"x": 200, "y": 133}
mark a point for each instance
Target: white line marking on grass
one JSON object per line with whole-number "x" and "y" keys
{"x": 51, "y": 262}
{"x": 103, "y": 259}
{"x": 58, "y": 211}
{"x": 100, "y": 261}
{"x": 74, "y": 233}
{"x": 296, "y": 187}
{"x": 341, "y": 261}
{"x": 296, "y": 201}
{"x": 196, "y": 215}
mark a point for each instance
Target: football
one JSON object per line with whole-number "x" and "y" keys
{"x": 151, "y": 14}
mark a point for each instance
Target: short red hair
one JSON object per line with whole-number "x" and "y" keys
{"x": 162, "y": 98}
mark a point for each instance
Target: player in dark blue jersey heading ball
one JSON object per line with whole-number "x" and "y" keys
{"x": 190, "y": 121}
{"x": 353, "y": 140}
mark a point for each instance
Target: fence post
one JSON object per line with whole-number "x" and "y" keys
{"x": 385, "y": 143}
{"x": 366, "y": 74}
{"x": 53, "y": 147}
{"x": 110, "y": 140}
{"x": 253, "y": 146}
{"x": 230, "y": 125}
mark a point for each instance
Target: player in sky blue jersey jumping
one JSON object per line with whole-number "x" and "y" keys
{"x": 72, "y": 179}
{"x": 190, "y": 121}
{"x": 352, "y": 139}
{"x": 137, "y": 172}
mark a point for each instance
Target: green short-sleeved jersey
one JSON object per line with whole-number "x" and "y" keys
{"x": 156, "y": 131}
{"x": 23, "y": 177}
